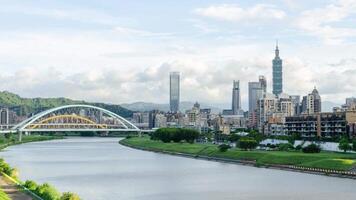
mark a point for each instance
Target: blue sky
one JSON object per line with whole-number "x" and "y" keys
{"x": 122, "y": 51}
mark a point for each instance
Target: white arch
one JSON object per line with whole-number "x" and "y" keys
{"x": 21, "y": 126}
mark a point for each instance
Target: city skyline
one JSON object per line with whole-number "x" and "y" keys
{"x": 108, "y": 53}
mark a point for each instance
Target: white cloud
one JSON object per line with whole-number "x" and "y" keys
{"x": 232, "y": 12}
{"x": 322, "y": 22}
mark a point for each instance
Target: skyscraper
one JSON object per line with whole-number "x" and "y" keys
{"x": 277, "y": 73}
{"x": 236, "y": 98}
{"x": 174, "y": 93}
{"x": 256, "y": 90}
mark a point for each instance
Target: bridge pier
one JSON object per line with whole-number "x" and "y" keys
{"x": 20, "y": 136}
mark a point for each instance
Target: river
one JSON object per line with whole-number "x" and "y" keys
{"x": 102, "y": 169}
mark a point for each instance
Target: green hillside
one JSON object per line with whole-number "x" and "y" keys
{"x": 26, "y": 106}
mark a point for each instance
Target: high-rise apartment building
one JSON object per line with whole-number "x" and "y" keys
{"x": 256, "y": 91}
{"x": 277, "y": 73}
{"x": 236, "y": 98}
{"x": 174, "y": 85}
{"x": 311, "y": 103}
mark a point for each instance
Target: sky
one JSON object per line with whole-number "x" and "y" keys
{"x": 118, "y": 51}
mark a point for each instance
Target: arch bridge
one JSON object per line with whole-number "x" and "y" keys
{"x": 75, "y": 118}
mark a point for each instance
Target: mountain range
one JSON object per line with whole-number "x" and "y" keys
{"x": 26, "y": 106}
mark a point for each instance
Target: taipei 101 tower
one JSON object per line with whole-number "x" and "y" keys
{"x": 277, "y": 73}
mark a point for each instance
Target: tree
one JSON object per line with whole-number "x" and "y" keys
{"x": 224, "y": 147}
{"x": 312, "y": 148}
{"x": 285, "y": 147}
{"x": 344, "y": 145}
{"x": 69, "y": 196}
{"x": 247, "y": 143}
{"x": 354, "y": 145}
{"x": 234, "y": 138}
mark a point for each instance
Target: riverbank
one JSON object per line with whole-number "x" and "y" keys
{"x": 6, "y": 142}
{"x": 325, "y": 163}
{"x": 10, "y": 187}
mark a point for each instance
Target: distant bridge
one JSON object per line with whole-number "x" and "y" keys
{"x": 74, "y": 118}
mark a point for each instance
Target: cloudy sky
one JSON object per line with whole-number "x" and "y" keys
{"x": 122, "y": 51}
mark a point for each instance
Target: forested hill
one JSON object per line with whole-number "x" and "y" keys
{"x": 26, "y": 106}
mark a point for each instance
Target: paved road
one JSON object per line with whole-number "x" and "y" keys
{"x": 10, "y": 189}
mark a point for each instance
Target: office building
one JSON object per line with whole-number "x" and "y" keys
{"x": 256, "y": 91}
{"x": 236, "y": 98}
{"x": 277, "y": 73}
{"x": 174, "y": 97}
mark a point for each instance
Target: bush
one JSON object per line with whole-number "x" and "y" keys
{"x": 31, "y": 185}
{"x": 8, "y": 135}
{"x": 224, "y": 147}
{"x": 354, "y": 145}
{"x": 47, "y": 192}
{"x": 298, "y": 147}
{"x": 175, "y": 134}
{"x": 69, "y": 196}
{"x": 4, "y": 167}
{"x": 285, "y": 147}
{"x": 234, "y": 137}
{"x": 312, "y": 148}
{"x": 247, "y": 143}
{"x": 87, "y": 134}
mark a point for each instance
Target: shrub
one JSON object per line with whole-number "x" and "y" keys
{"x": 47, "y": 192}
{"x": 285, "y": 147}
{"x": 312, "y": 148}
{"x": 31, "y": 185}
{"x": 298, "y": 147}
{"x": 234, "y": 137}
{"x": 69, "y": 196}
{"x": 224, "y": 147}
{"x": 344, "y": 145}
{"x": 354, "y": 145}
{"x": 87, "y": 134}
{"x": 8, "y": 135}
{"x": 247, "y": 143}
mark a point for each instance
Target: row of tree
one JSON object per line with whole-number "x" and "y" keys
{"x": 175, "y": 135}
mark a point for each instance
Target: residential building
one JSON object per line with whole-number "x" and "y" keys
{"x": 311, "y": 103}
{"x": 325, "y": 125}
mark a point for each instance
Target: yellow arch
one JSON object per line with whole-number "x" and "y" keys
{"x": 72, "y": 116}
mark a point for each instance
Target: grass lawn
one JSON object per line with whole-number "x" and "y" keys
{"x": 3, "y": 195}
{"x": 325, "y": 160}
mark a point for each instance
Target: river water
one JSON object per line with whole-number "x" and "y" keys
{"x": 102, "y": 169}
